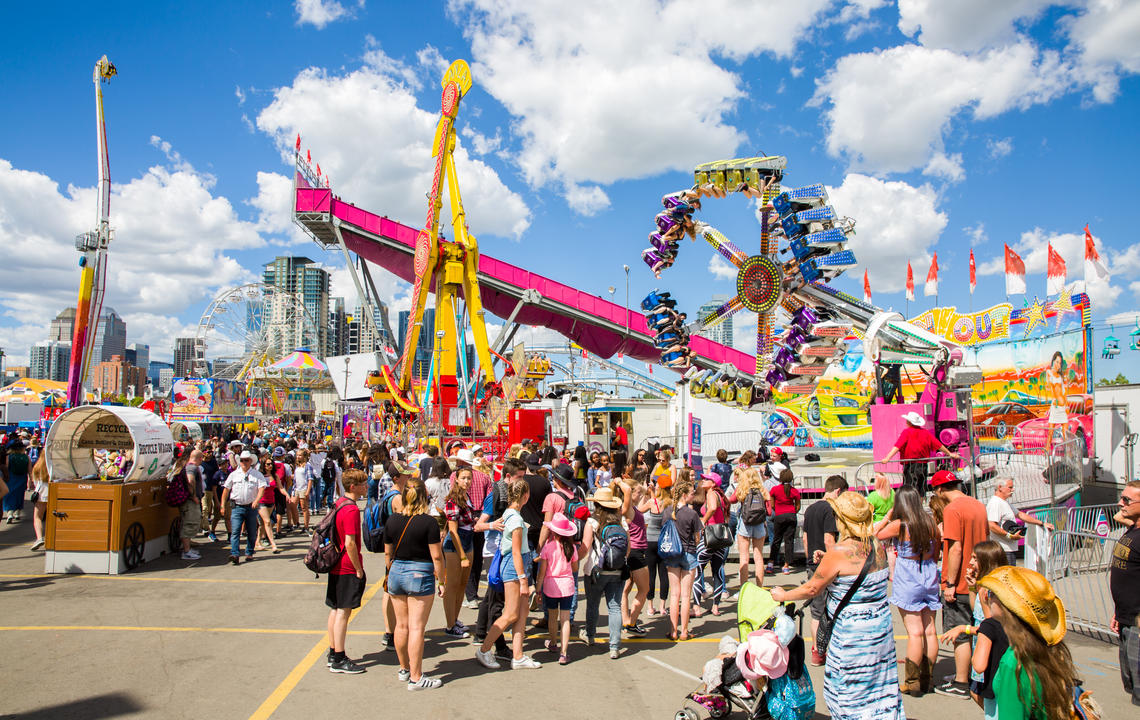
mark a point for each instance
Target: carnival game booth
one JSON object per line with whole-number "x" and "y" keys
{"x": 107, "y": 510}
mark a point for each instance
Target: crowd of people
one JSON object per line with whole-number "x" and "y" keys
{"x": 539, "y": 529}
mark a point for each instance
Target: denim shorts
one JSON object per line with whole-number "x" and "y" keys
{"x": 407, "y": 577}
{"x": 557, "y": 603}
{"x": 687, "y": 561}
{"x": 466, "y": 539}
{"x": 507, "y": 567}
{"x": 759, "y": 531}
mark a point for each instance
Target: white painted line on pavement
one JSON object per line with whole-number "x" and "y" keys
{"x": 667, "y": 666}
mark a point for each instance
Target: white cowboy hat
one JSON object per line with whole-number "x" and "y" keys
{"x": 914, "y": 419}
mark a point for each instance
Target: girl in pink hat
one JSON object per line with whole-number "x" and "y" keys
{"x": 558, "y": 566}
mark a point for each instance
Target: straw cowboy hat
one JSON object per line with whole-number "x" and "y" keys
{"x": 914, "y": 419}
{"x": 1029, "y": 596}
{"x": 853, "y": 515}
{"x": 605, "y": 497}
{"x": 762, "y": 655}
{"x": 561, "y": 525}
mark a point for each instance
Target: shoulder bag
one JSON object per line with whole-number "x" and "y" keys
{"x": 717, "y": 536}
{"x": 395, "y": 548}
{"x": 827, "y": 622}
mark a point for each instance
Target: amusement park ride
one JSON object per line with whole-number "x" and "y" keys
{"x": 802, "y": 249}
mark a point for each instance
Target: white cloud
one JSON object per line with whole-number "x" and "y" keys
{"x": 999, "y": 148}
{"x": 977, "y": 234}
{"x": 1108, "y": 35}
{"x": 320, "y": 13}
{"x": 947, "y": 167}
{"x": 888, "y": 111}
{"x": 239, "y": 94}
{"x": 587, "y": 200}
{"x": 170, "y": 247}
{"x": 480, "y": 143}
{"x": 965, "y": 24}
{"x": 596, "y": 99}
{"x": 274, "y": 205}
{"x": 894, "y": 222}
{"x": 1123, "y": 318}
{"x": 374, "y": 142}
{"x": 721, "y": 268}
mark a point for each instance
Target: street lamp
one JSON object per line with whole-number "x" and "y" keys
{"x": 626, "y": 268}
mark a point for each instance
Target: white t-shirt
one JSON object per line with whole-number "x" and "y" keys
{"x": 437, "y": 488}
{"x": 999, "y": 511}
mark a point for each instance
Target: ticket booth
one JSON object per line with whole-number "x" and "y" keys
{"x": 100, "y": 522}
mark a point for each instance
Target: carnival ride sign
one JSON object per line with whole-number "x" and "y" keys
{"x": 969, "y": 328}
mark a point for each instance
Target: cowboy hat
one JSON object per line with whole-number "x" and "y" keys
{"x": 463, "y": 455}
{"x": 1029, "y": 596}
{"x": 605, "y": 497}
{"x": 853, "y": 515}
{"x": 565, "y": 473}
{"x": 914, "y": 419}
{"x": 762, "y": 655}
{"x": 561, "y": 525}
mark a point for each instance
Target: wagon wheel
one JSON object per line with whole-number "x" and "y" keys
{"x": 175, "y": 534}
{"x": 133, "y": 543}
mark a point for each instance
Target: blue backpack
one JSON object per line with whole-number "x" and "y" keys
{"x": 669, "y": 543}
{"x": 375, "y": 518}
{"x": 495, "y": 571}
{"x": 791, "y": 698}
{"x": 611, "y": 546}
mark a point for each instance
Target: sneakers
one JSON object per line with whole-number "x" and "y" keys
{"x": 487, "y": 659}
{"x": 345, "y": 666}
{"x": 388, "y": 643}
{"x": 636, "y": 629}
{"x": 213, "y": 537}
{"x": 953, "y": 689}
{"x": 405, "y": 675}
{"x": 615, "y": 653}
{"x": 455, "y": 631}
{"x": 424, "y": 683}
{"x": 816, "y": 658}
{"x": 329, "y": 659}
{"x": 526, "y": 662}
{"x": 38, "y": 544}
{"x": 191, "y": 554}
{"x": 471, "y": 604}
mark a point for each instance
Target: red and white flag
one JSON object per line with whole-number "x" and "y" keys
{"x": 932, "y": 278}
{"x": 1056, "y": 274}
{"x": 909, "y": 281}
{"x": 1014, "y": 273}
{"x": 973, "y": 272}
{"x": 298, "y": 142}
{"x": 1093, "y": 266}
{"x": 866, "y": 288}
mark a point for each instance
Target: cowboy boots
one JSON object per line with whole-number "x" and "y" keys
{"x": 926, "y": 675}
{"x": 911, "y": 684}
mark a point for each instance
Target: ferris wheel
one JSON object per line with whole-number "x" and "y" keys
{"x": 248, "y": 327}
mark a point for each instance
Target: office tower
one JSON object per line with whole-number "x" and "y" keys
{"x": 184, "y": 349}
{"x": 310, "y": 282}
{"x": 721, "y": 332}
{"x": 49, "y": 360}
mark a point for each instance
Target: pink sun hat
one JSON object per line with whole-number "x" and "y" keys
{"x": 561, "y": 525}
{"x": 762, "y": 655}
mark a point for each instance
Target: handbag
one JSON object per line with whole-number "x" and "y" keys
{"x": 388, "y": 567}
{"x": 827, "y": 622}
{"x": 717, "y": 537}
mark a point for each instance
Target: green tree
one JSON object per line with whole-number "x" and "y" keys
{"x": 1118, "y": 380}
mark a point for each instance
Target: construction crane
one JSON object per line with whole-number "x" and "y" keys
{"x": 93, "y": 246}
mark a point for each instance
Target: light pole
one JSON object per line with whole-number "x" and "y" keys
{"x": 626, "y": 268}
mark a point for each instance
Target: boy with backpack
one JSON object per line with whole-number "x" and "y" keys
{"x": 346, "y": 580}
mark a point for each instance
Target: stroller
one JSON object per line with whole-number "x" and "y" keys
{"x": 789, "y": 694}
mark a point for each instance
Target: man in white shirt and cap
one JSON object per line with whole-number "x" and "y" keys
{"x": 243, "y": 487}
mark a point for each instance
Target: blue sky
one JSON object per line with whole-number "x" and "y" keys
{"x": 938, "y": 126}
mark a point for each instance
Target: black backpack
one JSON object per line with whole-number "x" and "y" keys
{"x": 324, "y": 555}
{"x": 328, "y": 471}
{"x": 753, "y": 510}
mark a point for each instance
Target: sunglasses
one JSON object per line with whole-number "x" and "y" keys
{"x": 1126, "y": 501}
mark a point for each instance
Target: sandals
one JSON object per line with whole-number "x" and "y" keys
{"x": 563, "y": 660}
{"x": 673, "y": 636}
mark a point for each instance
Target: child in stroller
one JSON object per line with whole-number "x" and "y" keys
{"x": 764, "y": 673}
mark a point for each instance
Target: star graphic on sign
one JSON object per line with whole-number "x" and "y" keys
{"x": 1034, "y": 316}
{"x": 1063, "y": 305}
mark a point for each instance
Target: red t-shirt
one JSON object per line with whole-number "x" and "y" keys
{"x": 622, "y": 437}
{"x": 347, "y": 523}
{"x": 784, "y": 502}
{"x": 916, "y": 443}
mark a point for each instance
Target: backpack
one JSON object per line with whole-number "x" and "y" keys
{"x": 324, "y": 555}
{"x": 1084, "y": 706}
{"x": 669, "y": 542}
{"x": 611, "y": 546}
{"x": 577, "y": 512}
{"x": 753, "y": 510}
{"x": 177, "y": 490}
{"x": 791, "y": 698}
{"x": 500, "y": 503}
{"x": 328, "y": 471}
{"x": 495, "y": 571}
{"x": 375, "y": 518}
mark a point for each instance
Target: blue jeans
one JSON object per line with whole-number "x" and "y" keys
{"x": 610, "y": 585}
{"x": 373, "y": 489}
{"x": 248, "y": 517}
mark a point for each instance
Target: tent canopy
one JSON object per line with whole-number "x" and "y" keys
{"x": 299, "y": 359}
{"x": 78, "y": 433}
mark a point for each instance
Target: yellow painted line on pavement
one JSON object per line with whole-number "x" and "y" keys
{"x": 134, "y": 628}
{"x": 291, "y": 680}
{"x": 224, "y": 581}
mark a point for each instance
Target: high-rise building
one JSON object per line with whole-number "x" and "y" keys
{"x": 165, "y": 379}
{"x": 366, "y": 337}
{"x": 63, "y": 326}
{"x": 721, "y": 332}
{"x": 310, "y": 282}
{"x": 154, "y": 367}
{"x": 184, "y": 349}
{"x": 50, "y": 360}
{"x": 138, "y": 355}
{"x": 338, "y": 327}
{"x": 110, "y": 338}
{"x": 116, "y": 377}
{"x": 421, "y": 363}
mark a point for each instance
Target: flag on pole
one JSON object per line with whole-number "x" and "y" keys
{"x": 866, "y": 288}
{"x": 909, "y": 281}
{"x": 1014, "y": 273}
{"x": 973, "y": 272}
{"x": 1055, "y": 282}
{"x": 308, "y": 156}
{"x": 1093, "y": 266}
{"x": 932, "y": 278}
{"x": 298, "y": 142}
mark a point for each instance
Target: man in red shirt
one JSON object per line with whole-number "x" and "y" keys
{"x": 346, "y": 581}
{"x": 916, "y": 443}
{"x": 964, "y": 525}
{"x": 621, "y": 438}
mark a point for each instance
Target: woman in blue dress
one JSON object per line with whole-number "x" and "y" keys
{"x": 861, "y": 679}
{"x": 17, "y": 479}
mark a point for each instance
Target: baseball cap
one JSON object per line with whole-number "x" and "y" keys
{"x": 943, "y": 477}
{"x": 279, "y": 452}
{"x": 395, "y": 469}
